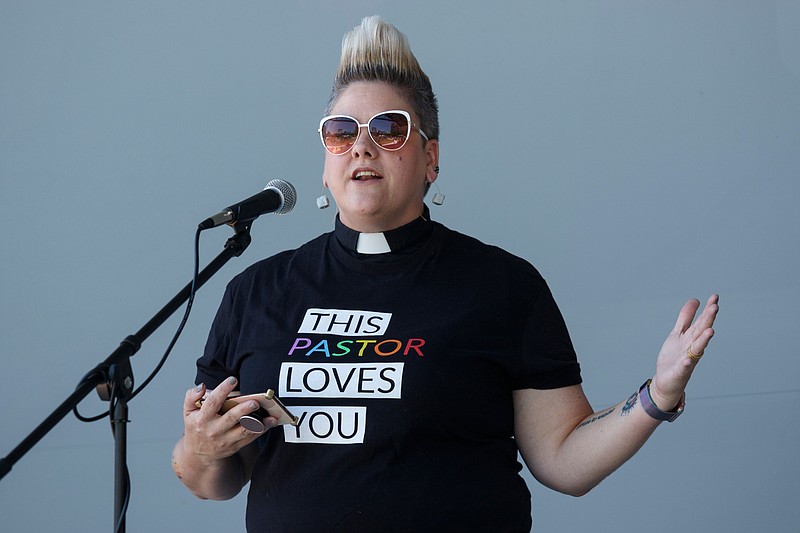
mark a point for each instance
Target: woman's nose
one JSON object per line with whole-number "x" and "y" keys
{"x": 364, "y": 145}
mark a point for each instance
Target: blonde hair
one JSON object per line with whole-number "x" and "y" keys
{"x": 377, "y": 51}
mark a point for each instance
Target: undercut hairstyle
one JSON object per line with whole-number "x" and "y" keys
{"x": 377, "y": 51}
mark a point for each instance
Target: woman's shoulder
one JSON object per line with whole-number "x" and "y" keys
{"x": 475, "y": 251}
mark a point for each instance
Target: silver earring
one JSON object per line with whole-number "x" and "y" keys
{"x": 323, "y": 201}
{"x": 438, "y": 198}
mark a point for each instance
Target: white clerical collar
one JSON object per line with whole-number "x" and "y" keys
{"x": 372, "y": 243}
{"x": 392, "y": 241}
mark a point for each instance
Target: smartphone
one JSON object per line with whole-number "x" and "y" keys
{"x": 270, "y": 406}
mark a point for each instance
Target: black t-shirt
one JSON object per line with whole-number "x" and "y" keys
{"x": 401, "y": 369}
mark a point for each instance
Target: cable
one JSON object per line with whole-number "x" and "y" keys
{"x": 185, "y": 318}
{"x": 88, "y": 377}
{"x": 171, "y": 345}
{"x": 124, "y": 511}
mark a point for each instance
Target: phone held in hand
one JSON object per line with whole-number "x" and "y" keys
{"x": 270, "y": 404}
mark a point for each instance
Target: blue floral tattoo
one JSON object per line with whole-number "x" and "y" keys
{"x": 629, "y": 404}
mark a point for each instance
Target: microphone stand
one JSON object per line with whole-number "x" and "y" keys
{"x": 113, "y": 379}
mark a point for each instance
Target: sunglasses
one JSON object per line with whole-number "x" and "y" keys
{"x": 390, "y": 130}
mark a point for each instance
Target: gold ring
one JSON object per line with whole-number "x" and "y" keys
{"x": 693, "y": 356}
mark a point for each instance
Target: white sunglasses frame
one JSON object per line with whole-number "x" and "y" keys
{"x": 411, "y": 125}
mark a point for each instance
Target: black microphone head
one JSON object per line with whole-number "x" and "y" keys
{"x": 287, "y": 192}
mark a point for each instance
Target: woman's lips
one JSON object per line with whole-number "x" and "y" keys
{"x": 365, "y": 175}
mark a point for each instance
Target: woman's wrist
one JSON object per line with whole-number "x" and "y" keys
{"x": 654, "y": 409}
{"x": 662, "y": 401}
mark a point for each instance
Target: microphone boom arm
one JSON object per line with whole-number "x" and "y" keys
{"x": 114, "y": 374}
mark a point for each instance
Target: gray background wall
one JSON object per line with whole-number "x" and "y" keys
{"x": 639, "y": 153}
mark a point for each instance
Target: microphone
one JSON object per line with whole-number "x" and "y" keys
{"x": 277, "y": 197}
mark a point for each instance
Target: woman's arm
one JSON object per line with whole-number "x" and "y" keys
{"x": 569, "y": 448}
{"x": 215, "y": 456}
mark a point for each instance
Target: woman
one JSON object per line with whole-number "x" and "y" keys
{"x": 419, "y": 360}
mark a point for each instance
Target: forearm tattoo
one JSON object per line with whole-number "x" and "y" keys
{"x": 629, "y": 404}
{"x": 595, "y": 418}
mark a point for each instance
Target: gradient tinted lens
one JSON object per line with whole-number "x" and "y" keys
{"x": 339, "y": 134}
{"x": 389, "y": 130}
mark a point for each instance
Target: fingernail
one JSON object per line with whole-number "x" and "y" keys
{"x": 271, "y": 423}
{"x": 254, "y": 405}
{"x": 231, "y": 380}
{"x": 199, "y": 387}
